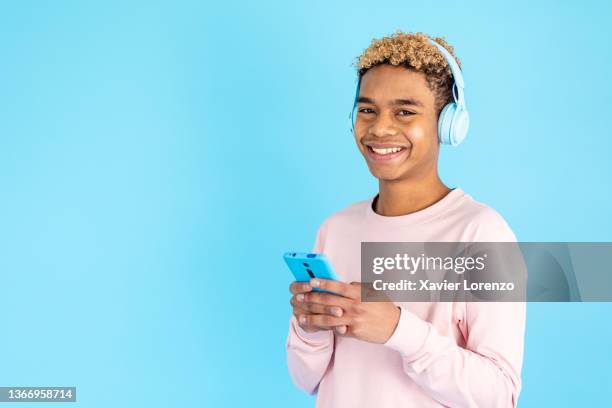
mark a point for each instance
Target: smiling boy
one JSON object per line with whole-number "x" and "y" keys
{"x": 404, "y": 354}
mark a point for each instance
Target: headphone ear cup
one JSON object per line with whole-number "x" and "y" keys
{"x": 460, "y": 126}
{"x": 445, "y": 122}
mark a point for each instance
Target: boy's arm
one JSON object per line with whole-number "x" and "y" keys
{"x": 487, "y": 372}
{"x": 309, "y": 354}
{"x": 484, "y": 374}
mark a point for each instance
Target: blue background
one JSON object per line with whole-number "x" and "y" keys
{"x": 156, "y": 159}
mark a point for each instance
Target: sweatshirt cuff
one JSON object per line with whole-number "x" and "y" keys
{"x": 315, "y": 338}
{"x": 409, "y": 335}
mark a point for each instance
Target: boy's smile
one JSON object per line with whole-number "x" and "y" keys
{"x": 381, "y": 151}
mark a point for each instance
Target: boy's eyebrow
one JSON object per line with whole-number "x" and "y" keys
{"x": 365, "y": 99}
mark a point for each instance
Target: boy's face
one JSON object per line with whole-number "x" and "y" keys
{"x": 396, "y": 125}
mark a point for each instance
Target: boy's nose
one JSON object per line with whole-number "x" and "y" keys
{"x": 384, "y": 126}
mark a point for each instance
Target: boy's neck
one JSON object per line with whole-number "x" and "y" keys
{"x": 408, "y": 196}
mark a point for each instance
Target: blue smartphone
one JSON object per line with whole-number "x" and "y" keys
{"x": 306, "y": 266}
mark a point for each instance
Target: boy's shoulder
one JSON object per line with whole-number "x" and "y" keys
{"x": 479, "y": 212}
{"x": 488, "y": 223}
{"x": 351, "y": 213}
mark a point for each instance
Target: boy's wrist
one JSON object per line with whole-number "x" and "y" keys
{"x": 308, "y": 336}
{"x": 409, "y": 334}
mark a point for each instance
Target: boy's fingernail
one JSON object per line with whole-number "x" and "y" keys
{"x": 306, "y": 287}
{"x": 300, "y": 297}
{"x": 314, "y": 283}
{"x": 302, "y": 319}
{"x": 337, "y": 311}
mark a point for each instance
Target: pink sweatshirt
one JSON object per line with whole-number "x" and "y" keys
{"x": 441, "y": 354}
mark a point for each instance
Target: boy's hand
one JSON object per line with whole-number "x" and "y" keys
{"x": 302, "y": 309}
{"x": 374, "y": 322}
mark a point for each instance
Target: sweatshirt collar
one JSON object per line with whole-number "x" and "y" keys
{"x": 448, "y": 201}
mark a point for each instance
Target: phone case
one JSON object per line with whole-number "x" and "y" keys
{"x": 306, "y": 266}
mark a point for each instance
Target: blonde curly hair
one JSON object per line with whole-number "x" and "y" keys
{"x": 415, "y": 52}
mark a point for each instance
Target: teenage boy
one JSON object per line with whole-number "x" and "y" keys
{"x": 404, "y": 354}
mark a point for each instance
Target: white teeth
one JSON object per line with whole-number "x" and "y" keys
{"x": 387, "y": 150}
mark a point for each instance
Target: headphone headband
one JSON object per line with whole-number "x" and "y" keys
{"x": 456, "y": 71}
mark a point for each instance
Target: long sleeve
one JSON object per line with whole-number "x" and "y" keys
{"x": 309, "y": 354}
{"x": 484, "y": 374}
{"x": 487, "y": 372}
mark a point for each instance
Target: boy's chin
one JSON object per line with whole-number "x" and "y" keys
{"x": 388, "y": 176}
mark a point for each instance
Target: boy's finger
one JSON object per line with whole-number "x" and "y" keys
{"x": 299, "y": 287}
{"x": 339, "y": 288}
{"x": 328, "y": 299}
{"x": 322, "y": 320}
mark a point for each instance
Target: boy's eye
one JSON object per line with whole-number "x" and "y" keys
{"x": 404, "y": 112}
{"x": 366, "y": 110}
